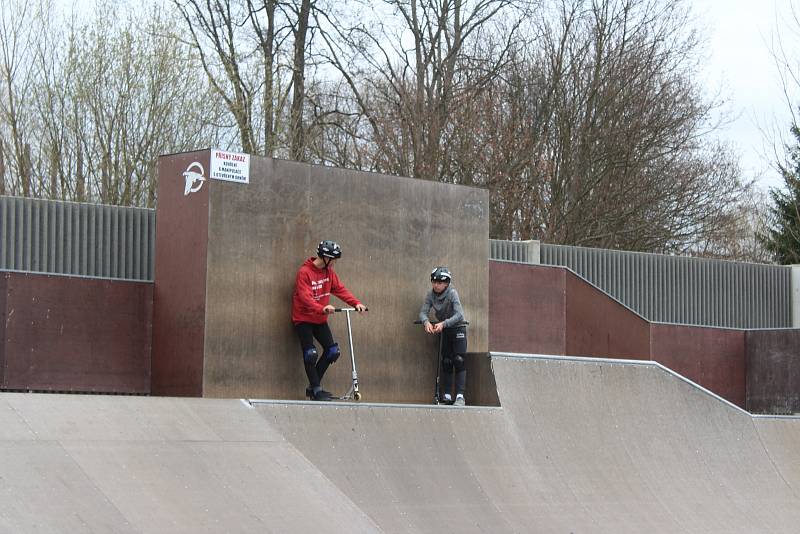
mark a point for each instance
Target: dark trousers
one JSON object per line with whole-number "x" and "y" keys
{"x": 454, "y": 350}
{"x": 307, "y": 332}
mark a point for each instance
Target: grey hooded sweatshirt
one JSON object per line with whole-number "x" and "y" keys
{"x": 446, "y": 307}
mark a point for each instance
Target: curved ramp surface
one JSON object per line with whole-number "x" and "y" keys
{"x": 578, "y": 447}
{"x": 71, "y": 463}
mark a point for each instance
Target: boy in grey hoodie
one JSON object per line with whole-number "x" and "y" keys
{"x": 452, "y": 326}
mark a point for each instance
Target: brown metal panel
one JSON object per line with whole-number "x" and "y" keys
{"x": 597, "y": 325}
{"x": 711, "y": 357}
{"x": 392, "y": 230}
{"x": 256, "y": 243}
{"x": 77, "y": 334}
{"x": 526, "y": 308}
{"x": 773, "y": 371}
{"x": 3, "y": 317}
{"x": 180, "y": 278}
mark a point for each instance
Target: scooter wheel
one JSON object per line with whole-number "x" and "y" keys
{"x": 357, "y": 395}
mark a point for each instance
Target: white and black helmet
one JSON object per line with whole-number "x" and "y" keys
{"x": 329, "y": 249}
{"x": 440, "y": 274}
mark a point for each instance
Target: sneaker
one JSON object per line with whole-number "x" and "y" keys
{"x": 310, "y": 393}
{"x": 459, "y": 400}
{"x": 323, "y": 395}
{"x": 447, "y": 399}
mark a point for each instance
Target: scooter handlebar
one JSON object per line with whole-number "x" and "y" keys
{"x": 347, "y": 309}
{"x": 436, "y": 322}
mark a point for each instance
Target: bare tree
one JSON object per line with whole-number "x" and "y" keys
{"x": 582, "y": 118}
{"x": 137, "y": 94}
{"x": 214, "y": 27}
{"x": 780, "y": 235}
{"x": 2, "y": 168}
{"x": 88, "y": 106}
{"x": 297, "y": 123}
{"x": 20, "y": 28}
{"x": 245, "y": 52}
{"x": 594, "y": 135}
{"x": 738, "y": 238}
{"x": 410, "y": 64}
{"x": 782, "y": 45}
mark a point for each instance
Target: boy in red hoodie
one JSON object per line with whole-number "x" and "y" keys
{"x": 316, "y": 281}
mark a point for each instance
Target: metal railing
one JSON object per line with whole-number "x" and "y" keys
{"x": 70, "y": 238}
{"x": 682, "y": 290}
{"x": 514, "y": 251}
{"x": 46, "y": 236}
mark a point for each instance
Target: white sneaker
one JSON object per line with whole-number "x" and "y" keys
{"x": 459, "y": 400}
{"x": 447, "y": 399}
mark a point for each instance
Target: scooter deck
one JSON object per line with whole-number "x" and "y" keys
{"x": 348, "y": 397}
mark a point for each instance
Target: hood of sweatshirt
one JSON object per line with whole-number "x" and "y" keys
{"x": 310, "y": 263}
{"x": 441, "y": 297}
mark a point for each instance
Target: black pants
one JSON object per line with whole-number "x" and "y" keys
{"x": 307, "y": 332}
{"x": 454, "y": 350}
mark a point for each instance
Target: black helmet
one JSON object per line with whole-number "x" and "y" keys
{"x": 440, "y": 274}
{"x": 329, "y": 249}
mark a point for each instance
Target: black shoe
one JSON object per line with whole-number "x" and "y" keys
{"x": 323, "y": 395}
{"x": 309, "y": 393}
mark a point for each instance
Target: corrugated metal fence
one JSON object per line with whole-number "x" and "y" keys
{"x": 71, "y": 238}
{"x": 674, "y": 289}
{"x": 514, "y": 251}
{"x": 115, "y": 242}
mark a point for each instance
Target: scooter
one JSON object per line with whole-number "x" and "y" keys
{"x": 353, "y": 393}
{"x": 436, "y": 399}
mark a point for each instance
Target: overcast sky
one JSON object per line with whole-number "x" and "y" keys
{"x": 741, "y": 66}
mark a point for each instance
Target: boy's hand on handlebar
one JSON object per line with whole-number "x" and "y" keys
{"x": 438, "y": 327}
{"x": 327, "y": 310}
{"x": 428, "y": 327}
{"x": 360, "y": 308}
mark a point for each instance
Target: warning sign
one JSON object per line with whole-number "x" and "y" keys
{"x": 230, "y": 166}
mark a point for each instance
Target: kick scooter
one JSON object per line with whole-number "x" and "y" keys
{"x": 353, "y": 392}
{"x": 436, "y": 399}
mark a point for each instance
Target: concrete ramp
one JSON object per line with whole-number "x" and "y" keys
{"x": 71, "y": 463}
{"x": 579, "y": 446}
{"x": 641, "y": 449}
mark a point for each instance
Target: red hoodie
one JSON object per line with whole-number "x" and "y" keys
{"x": 312, "y": 292}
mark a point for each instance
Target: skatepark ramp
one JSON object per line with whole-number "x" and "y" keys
{"x": 578, "y": 446}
